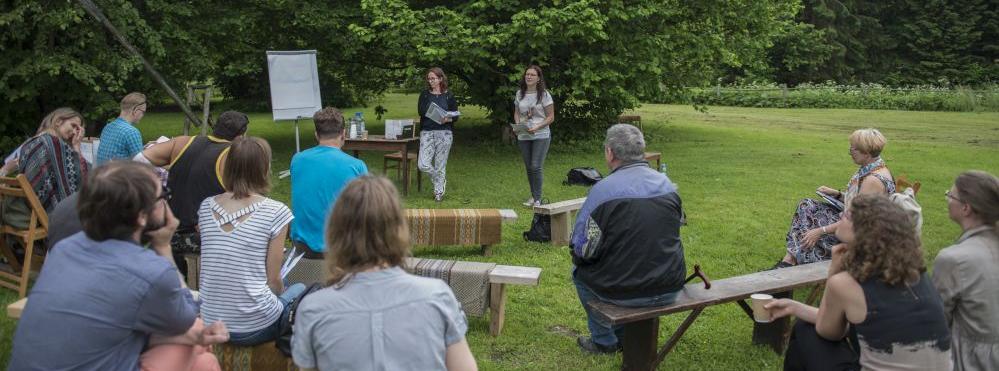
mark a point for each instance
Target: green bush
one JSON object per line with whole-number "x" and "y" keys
{"x": 830, "y": 95}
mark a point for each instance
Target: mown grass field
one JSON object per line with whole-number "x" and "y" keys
{"x": 741, "y": 171}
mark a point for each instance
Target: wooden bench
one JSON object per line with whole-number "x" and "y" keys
{"x": 498, "y": 277}
{"x": 562, "y": 214}
{"x": 641, "y": 325}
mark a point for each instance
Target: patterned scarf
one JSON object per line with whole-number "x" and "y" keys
{"x": 53, "y": 168}
{"x": 854, "y": 186}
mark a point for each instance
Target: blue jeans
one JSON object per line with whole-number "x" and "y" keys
{"x": 271, "y": 332}
{"x": 602, "y": 333}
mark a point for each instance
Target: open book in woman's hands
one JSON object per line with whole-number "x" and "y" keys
{"x": 520, "y": 129}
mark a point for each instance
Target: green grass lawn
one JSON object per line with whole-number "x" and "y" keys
{"x": 741, "y": 171}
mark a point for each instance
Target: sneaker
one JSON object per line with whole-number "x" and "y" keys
{"x": 537, "y": 203}
{"x": 588, "y": 346}
{"x": 529, "y": 202}
{"x": 439, "y": 197}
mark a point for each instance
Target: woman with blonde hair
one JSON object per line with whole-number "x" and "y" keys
{"x": 813, "y": 226}
{"x": 966, "y": 273}
{"x": 878, "y": 294}
{"x": 242, "y": 246}
{"x": 374, "y": 315}
{"x": 52, "y": 162}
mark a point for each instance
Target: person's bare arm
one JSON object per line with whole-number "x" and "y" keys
{"x": 831, "y": 323}
{"x": 275, "y": 254}
{"x": 459, "y": 357}
{"x": 198, "y": 334}
{"x": 871, "y": 185}
{"x": 163, "y": 153}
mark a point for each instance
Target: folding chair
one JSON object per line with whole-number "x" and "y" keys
{"x": 38, "y": 226}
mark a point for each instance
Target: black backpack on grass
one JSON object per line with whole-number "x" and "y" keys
{"x": 585, "y": 176}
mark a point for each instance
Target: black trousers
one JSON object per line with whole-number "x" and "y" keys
{"x": 808, "y": 351}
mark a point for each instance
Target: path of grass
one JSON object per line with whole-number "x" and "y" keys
{"x": 741, "y": 171}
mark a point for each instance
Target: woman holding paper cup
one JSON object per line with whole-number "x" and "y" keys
{"x": 438, "y": 112}
{"x": 877, "y": 293}
{"x": 533, "y": 113}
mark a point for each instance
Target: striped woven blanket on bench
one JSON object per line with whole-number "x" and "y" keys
{"x": 468, "y": 280}
{"x": 434, "y": 227}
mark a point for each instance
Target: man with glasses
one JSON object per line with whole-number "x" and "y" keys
{"x": 120, "y": 138}
{"x": 105, "y": 302}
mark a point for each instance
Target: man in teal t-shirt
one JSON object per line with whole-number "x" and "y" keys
{"x": 318, "y": 175}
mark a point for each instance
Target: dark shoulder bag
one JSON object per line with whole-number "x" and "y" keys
{"x": 585, "y": 176}
{"x": 541, "y": 229}
{"x": 283, "y": 342}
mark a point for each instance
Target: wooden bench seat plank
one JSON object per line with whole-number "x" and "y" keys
{"x": 14, "y": 309}
{"x": 560, "y": 207}
{"x": 515, "y": 275}
{"x": 508, "y": 215}
{"x": 722, "y": 291}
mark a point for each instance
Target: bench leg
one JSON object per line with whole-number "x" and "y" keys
{"x": 561, "y": 229}
{"x": 671, "y": 343}
{"x": 640, "y": 340}
{"x": 497, "y": 307}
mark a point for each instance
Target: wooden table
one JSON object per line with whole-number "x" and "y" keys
{"x": 379, "y": 143}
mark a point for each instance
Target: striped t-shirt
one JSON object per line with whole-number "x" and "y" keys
{"x": 233, "y": 281}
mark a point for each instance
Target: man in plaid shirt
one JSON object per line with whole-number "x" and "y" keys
{"x": 120, "y": 139}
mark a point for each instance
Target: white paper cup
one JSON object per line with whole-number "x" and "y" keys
{"x": 760, "y": 314}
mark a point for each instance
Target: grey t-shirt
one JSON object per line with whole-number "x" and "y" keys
{"x": 383, "y": 320}
{"x": 533, "y": 111}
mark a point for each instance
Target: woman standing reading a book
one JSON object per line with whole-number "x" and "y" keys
{"x": 814, "y": 224}
{"x": 534, "y": 112}
{"x": 436, "y": 107}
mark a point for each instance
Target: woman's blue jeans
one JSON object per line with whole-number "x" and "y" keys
{"x": 271, "y": 332}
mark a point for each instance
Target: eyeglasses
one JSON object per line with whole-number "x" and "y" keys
{"x": 165, "y": 194}
{"x": 952, "y": 196}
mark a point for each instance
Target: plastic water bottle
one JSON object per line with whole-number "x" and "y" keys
{"x": 359, "y": 119}
{"x": 352, "y": 129}
{"x": 662, "y": 168}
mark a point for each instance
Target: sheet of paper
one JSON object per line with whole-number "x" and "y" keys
{"x": 290, "y": 262}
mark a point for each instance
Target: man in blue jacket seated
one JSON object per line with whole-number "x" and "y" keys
{"x": 625, "y": 244}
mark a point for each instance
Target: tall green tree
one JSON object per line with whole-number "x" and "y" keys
{"x": 599, "y": 57}
{"x": 55, "y": 55}
{"x": 942, "y": 42}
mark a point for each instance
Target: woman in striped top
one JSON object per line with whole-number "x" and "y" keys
{"x": 242, "y": 245}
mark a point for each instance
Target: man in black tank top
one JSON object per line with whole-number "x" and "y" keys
{"x": 195, "y": 165}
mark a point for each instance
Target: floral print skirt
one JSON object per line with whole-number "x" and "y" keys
{"x": 812, "y": 214}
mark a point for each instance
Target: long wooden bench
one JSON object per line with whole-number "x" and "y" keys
{"x": 641, "y": 325}
{"x": 562, "y": 214}
{"x": 494, "y": 293}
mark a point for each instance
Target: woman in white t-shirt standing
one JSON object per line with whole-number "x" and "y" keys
{"x": 534, "y": 107}
{"x": 242, "y": 246}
